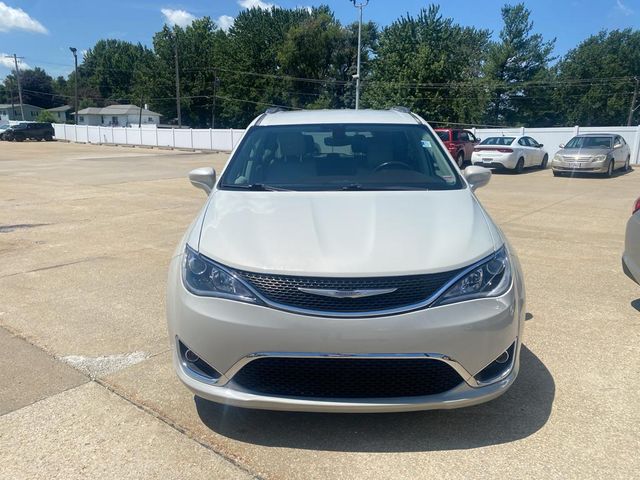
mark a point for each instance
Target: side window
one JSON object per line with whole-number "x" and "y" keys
{"x": 464, "y": 137}
{"x": 523, "y": 142}
{"x": 532, "y": 142}
{"x": 455, "y": 136}
{"x": 471, "y": 137}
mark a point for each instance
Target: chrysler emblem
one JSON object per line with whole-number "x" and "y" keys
{"x": 347, "y": 293}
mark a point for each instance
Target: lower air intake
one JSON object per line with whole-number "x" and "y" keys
{"x": 347, "y": 377}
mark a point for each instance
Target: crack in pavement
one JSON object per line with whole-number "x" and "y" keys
{"x": 180, "y": 429}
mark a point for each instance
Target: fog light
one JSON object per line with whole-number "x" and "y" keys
{"x": 497, "y": 369}
{"x": 195, "y": 367}
{"x": 191, "y": 357}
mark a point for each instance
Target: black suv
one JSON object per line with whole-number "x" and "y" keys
{"x": 32, "y": 130}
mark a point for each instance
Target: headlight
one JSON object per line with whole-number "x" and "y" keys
{"x": 489, "y": 279}
{"x": 599, "y": 158}
{"x": 557, "y": 158}
{"x": 204, "y": 277}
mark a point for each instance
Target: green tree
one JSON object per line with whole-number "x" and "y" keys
{"x": 429, "y": 64}
{"x": 250, "y": 78}
{"x": 37, "y": 88}
{"x": 111, "y": 69}
{"x": 517, "y": 74}
{"x": 46, "y": 117}
{"x": 595, "y": 80}
{"x": 320, "y": 48}
{"x": 201, "y": 51}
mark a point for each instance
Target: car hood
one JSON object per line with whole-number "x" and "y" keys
{"x": 583, "y": 152}
{"x": 346, "y": 233}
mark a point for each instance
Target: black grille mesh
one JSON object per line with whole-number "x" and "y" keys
{"x": 411, "y": 289}
{"x": 347, "y": 377}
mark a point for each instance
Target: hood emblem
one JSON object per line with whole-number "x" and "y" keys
{"x": 360, "y": 293}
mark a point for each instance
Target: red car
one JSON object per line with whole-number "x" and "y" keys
{"x": 459, "y": 142}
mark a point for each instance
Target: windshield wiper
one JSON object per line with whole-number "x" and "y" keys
{"x": 262, "y": 187}
{"x": 358, "y": 186}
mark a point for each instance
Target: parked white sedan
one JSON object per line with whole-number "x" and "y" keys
{"x": 512, "y": 153}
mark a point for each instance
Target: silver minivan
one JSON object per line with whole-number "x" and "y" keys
{"x": 343, "y": 263}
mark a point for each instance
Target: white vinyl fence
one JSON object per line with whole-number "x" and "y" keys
{"x": 551, "y": 138}
{"x": 227, "y": 139}
{"x": 205, "y": 139}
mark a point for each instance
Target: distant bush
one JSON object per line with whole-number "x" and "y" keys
{"x": 46, "y": 117}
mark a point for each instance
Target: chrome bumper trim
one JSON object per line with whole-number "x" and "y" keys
{"x": 468, "y": 378}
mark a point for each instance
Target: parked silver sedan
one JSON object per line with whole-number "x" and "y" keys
{"x": 631, "y": 255}
{"x": 592, "y": 153}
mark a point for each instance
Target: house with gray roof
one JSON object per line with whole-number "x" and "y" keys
{"x": 61, "y": 113}
{"x": 13, "y": 112}
{"x": 117, "y": 116}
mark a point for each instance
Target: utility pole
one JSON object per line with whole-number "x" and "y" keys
{"x": 13, "y": 106}
{"x": 15, "y": 61}
{"x": 359, "y": 6}
{"x": 140, "y": 117}
{"x": 633, "y": 107}
{"x": 216, "y": 83}
{"x": 75, "y": 60}
{"x": 175, "y": 44}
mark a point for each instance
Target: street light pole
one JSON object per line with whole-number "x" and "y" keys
{"x": 359, "y": 6}
{"x": 75, "y": 61}
{"x": 178, "y": 107}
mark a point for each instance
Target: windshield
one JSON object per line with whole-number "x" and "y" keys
{"x": 589, "y": 142}
{"x": 340, "y": 157}
{"x": 498, "y": 141}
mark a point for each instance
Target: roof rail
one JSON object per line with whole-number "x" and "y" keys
{"x": 271, "y": 110}
{"x": 400, "y": 109}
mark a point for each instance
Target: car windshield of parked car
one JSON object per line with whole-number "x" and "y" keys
{"x": 444, "y": 135}
{"x": 589, "y": 142}
{"x": 498, "y": 141}
{"x": 340, "y": 157}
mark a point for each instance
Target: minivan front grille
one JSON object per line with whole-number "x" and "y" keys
{"x": 347, "y": 377}
{"x": 409, "y": 290}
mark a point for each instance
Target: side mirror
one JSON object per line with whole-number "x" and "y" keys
{"x": 540, "y": 145}
{"x": 203, "y": 178}
{"x": 561, "y": 145}
{"x": 478, "y": 139}
{"x": 617, "y": 145}
{"x": 477, "y": 176}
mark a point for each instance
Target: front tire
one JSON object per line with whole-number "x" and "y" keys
{"x": 544, "y": 163}
{"x": 460, "y": 159}
{"x": 609, "y": 172}
{"x": 627, "y": 165}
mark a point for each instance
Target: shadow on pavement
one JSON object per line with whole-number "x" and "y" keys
{"x": 520, "y": 412}
{"x": 636, "y": 304}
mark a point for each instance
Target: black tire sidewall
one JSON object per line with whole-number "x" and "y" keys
{"x": 545, "y": 161}
{"x": 519, "y": 166}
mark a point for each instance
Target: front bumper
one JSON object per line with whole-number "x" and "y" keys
{"x": 226, "y": 334}
{"x": 577, "y": 167}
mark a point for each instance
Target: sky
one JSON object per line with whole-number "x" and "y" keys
{"x": 41, "y": 31}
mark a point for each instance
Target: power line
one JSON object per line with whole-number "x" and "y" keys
{"x": 480, "y": 82}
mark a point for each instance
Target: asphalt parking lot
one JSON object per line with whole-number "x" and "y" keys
{"x": 87, "y": 389}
